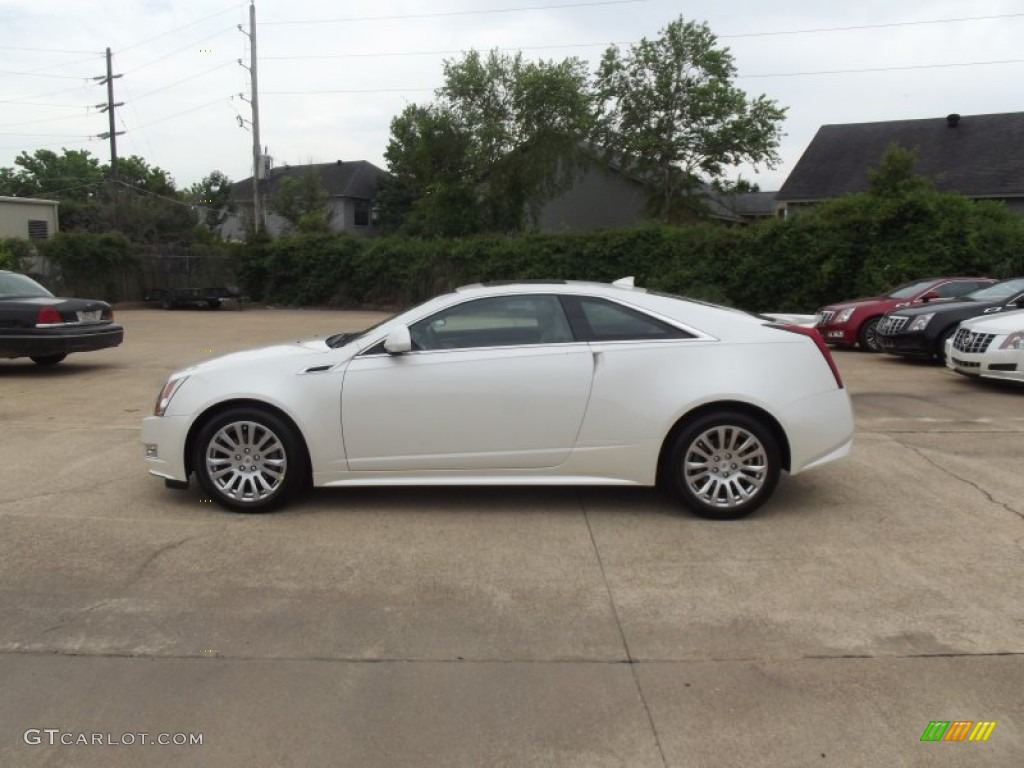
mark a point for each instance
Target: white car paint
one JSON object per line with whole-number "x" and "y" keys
{"x": 1003, "y": 354}
{"x": 596, "y": 412}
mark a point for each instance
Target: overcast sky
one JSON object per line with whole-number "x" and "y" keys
{"x": 332, "y": 75}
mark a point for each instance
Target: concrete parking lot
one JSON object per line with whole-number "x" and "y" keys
{"x": 504, "y": 627}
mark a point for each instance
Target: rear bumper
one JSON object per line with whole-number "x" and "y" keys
{"x": 59, "y": 341}
{"x": 819, "y": 429}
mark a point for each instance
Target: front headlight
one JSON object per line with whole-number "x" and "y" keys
{"x": 845, "y": 315}
{"x": 167, "y": 393}
{"x": 919, "y": 322}
{"x": 1014, "y": 341}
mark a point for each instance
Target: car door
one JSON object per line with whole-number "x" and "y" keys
{"x": 491, "y": 383}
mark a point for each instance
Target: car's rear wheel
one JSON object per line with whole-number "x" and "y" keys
{"x": 868, "y": 336}
{"x": 47, "y": 359}
{"x": 249, "y": 460}
{"x": 724, "y": 465}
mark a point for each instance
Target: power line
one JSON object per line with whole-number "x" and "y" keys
{"x": 85, "y": 140}
{"x": 47, "y": 135}
{"x": 886, "y": 69}
{"x": 41, "y": 104}
{"x": 47, "y": 50}
{"x": 46, "y": 120}
{"x": 438, "y": 53}
{"x": 231, "y": 8}
{"x": 35, "y": 74}
{"x": 63, "y": 64}
{"x": 154, "y": 194}
{"x": 872, "y": 26}
{"x": 220, "y": 100}
{"x": 48, "y": 93}
{"x": 444, "y": 14}
{"x": 349, "y": 90}
{"x": 147, "y": 94}
{"x": 179, "y": 50}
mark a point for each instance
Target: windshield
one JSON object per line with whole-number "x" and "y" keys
{"x": 910, "y": 290}
{"x": 997, "y": 292}
{"x": 14, "y": 286}
{"x": 341, "y": 339}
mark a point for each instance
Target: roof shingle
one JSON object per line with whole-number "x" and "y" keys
{"x": 981, "y": 156}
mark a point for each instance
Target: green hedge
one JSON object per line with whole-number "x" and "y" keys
{"x": 858, "y": 245}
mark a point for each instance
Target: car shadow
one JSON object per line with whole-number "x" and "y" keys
{"x": 25, "y": 369}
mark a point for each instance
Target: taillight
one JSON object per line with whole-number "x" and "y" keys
{"x": 819, "y": 342}
{"x": 108, "y": 314}
{"x": 48, "y": 316}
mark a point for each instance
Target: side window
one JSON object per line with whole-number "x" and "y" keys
{"x": 500, "y": 321}
{"x": 608, "y": 321}
{"x": 957, "y": 288}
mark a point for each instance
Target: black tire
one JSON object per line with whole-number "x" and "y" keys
{"x": 868, "y": 335}
{"x": 740, "y": 458}
{"x": 47, "y": 359}
{"x": 249, "y": 481}
{"x": 213, "y": 303}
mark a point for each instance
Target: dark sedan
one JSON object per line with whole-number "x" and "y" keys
{"x": 922, "y": 331}
{"x": 36, "y": 324}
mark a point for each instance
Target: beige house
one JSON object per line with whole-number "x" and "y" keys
{"x": 28, "y": 217}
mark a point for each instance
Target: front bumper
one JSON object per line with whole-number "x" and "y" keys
{"x": 163, "y": 438}
{"x": 838, "y": 333}
{"x": 38, "y": 342}
{"x": 907, "y": 344}
{"x": 1003, "y": 364}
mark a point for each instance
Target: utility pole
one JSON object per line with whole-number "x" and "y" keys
{"x": 108, "y": 80}
{"x": 254, "y": 102}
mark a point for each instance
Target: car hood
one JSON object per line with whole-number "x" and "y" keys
{"x": 1004, "y": 322}
{"x": 841, "y": 305}
{"x": 945, "y": 306}
{"x": 293, "y": 354}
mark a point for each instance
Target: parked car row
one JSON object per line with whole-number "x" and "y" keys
{"x": 974, "y": 325}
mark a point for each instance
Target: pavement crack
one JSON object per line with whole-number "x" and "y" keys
{"x": 158, "y": 553}
{"x": 622, "y": 634}
{"x": 951, "y": 473}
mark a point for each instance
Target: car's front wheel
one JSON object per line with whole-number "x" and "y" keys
{"x": 47, "y": 359}
{"x": 868, "y": 335}
{"x": 249, "y": 460}
{"x": 724, "y": 465}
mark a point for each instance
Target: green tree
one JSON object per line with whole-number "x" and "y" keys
{"x": 669, "y": 111}
{"x": 302, "y": 202}
{"x": 499, "y": 140}
{"x": 213, "y": 197}
{"x": 73, "y": 175}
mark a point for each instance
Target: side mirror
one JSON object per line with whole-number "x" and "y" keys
{"x": 929, "y": 296}
{"x": 398, "y": 341}
{"x": 1019, "y": 303}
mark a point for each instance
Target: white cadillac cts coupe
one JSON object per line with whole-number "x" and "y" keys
{"x": 559, "y": 383}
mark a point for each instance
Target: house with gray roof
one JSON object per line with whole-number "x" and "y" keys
{"x": 607, "y": 195}
{"x": 980, "y": 156}
{"x": 351, "y": 188}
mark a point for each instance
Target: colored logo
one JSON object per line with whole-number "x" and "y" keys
{"x": 958, "y": 730}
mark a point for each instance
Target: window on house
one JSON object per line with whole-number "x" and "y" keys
{"x": 38, "y": 229}
{"x": 362, "y": 215}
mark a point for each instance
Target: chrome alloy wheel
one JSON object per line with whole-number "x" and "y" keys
{"x": 725, "y": 466}
{"x": 246, "y": 461}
